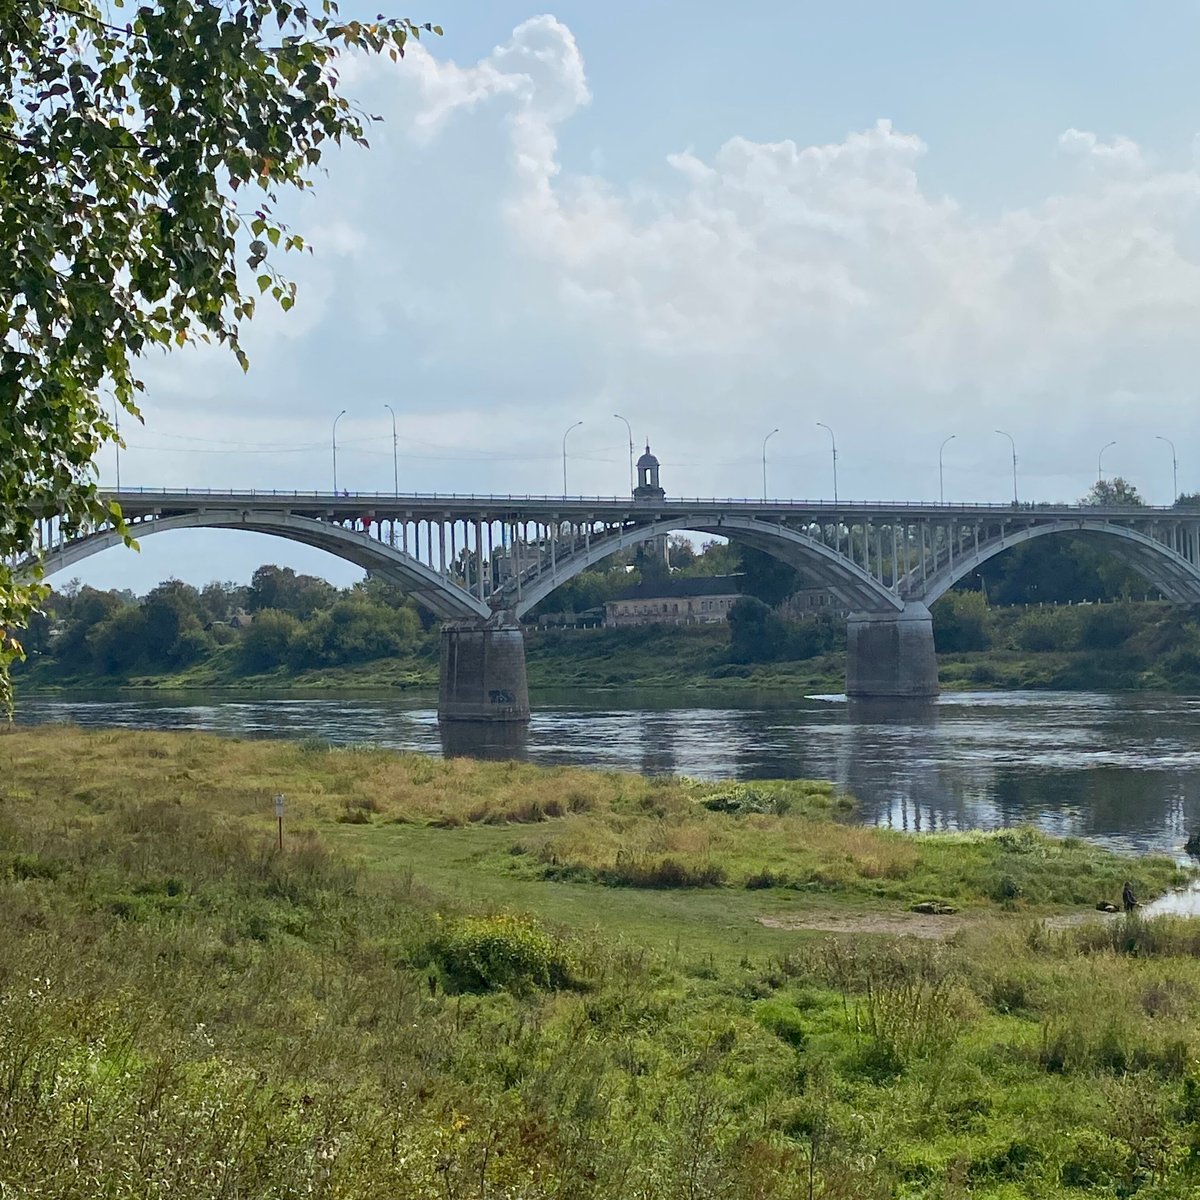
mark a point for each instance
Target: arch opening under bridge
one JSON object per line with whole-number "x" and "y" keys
{"x": 1164, "y": 568}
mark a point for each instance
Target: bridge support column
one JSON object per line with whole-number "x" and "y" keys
{"x": 483, "y": 672}
{"x": 891, "y": 654}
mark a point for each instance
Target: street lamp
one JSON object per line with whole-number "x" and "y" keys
{"x": 941, "y": 478}
{"x": 1175, "y": 468}
{"x": 395, "y": 454}
{"x": 1100, "y": 461}
{"x": 1014, "y": 458}
{"x": 833, "y": 444}
{"x": 335, "y": 421}
{"x": 569, "y": 428}
{"x": 765, "y": 441}
{"x": 629, "y": 428}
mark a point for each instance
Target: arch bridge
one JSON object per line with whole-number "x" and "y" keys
{"x": 482, "y": 562}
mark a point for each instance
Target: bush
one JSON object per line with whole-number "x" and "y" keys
{"x": 266, "y": 641}
{"x": 662, "y": 873}
{"x": 783, "y": 1020}
{"x": 1047, "y": 629}
{"x": 961, "y": 622}
{"x": 483, "y": 954}
{"x": 1106, "y": 626}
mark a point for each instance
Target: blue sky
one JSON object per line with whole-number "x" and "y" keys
{"x": 908, "y": 221}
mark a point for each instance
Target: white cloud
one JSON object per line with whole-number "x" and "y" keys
{"x": 464, "y": 275}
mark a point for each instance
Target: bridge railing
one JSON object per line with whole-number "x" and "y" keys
{"x": 493, "y": 498}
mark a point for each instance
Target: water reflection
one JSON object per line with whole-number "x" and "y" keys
{"x": 484, "y": 739}
{"x": 1123, "y": 770}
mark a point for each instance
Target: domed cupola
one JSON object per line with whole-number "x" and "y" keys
{"x": 647, "y": 472}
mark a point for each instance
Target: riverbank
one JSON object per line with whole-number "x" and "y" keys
{"x": 1142, "y": 647}
{"x": 461, "y": 978}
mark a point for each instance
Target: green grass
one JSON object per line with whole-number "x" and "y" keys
{"x": 399, "y": 1005}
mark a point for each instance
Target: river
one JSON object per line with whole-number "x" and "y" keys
{"x": 1121, "y": 770}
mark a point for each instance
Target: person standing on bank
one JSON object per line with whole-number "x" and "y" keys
{"x": 1128, "y": 899}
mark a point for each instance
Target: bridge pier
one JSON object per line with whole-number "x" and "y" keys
{"x": 891, "y": 654}
{"x": 483, "y": 672}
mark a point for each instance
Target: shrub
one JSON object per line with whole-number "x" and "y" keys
{"x": 1106, "y": 626}
{"x": 1045, "y": 629}
{"x": 961, "y": 622}
{"x": 662, "y": 873}
{"x": 783, "y": 1020}
{"x": 482, "y": 954}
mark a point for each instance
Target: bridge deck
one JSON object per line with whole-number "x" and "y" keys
{"x": 141, "y": 502}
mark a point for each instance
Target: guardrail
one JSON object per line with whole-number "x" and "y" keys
{"x": 674, "y": 502}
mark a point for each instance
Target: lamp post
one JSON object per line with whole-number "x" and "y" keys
{"x": 1014, "y": 460}
{"x": 941, "y": 476}
{"x": 395, "y": 454}
{"x": 1175, "y": 468}
{"x": 335, "y": 421}
{"x": 569, "y": 428}
{"x": 833, "y": 445}
{"x": 629, "y": 429}
{"x": 765, "y": 441}
{"x": 1100, "y": 461}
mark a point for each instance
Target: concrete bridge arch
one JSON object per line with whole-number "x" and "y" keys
{"x": 1157, "y": 563}
{"x": 426, "y": 585}
{"x": 855, "y": 587}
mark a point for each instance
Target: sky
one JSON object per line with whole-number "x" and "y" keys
{"x": 909, "y": 222}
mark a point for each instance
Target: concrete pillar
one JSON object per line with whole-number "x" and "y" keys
{"x": 891, "y": 654}
{"x": 483, "y": 672}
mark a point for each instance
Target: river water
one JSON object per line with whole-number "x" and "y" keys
{"x": 1121, "y": 770}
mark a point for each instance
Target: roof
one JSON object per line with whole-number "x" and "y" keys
{"x": 647, "y": 459}
{"x": 679, "y": 589}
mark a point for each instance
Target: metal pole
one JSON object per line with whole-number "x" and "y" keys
{"x": 1014, "y": 460}
{"x": 765, "y": 441}
{"x": 833, "y": 444}
{"x": 941, "y": 477}
{"x": 569, "y": 428}
{"x": 1100, "y": 461}
{"x": 395, "y": 454}
{"x": 630, "y": 430}
{"x": 1175, "y": 468}
{"x": 335, "y": 421}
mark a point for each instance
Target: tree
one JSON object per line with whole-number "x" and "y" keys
{"x": 1113, "y": 491}
{"x": 767, "y": 577}
{"x": 281, "y": 588}
{"x": 126, "y": 152}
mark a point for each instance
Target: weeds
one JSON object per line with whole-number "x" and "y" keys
{"x": 185, "y": 1010}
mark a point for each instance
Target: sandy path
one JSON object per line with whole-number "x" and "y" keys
{"x": 920, "y": 925}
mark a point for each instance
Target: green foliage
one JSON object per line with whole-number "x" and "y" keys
{"x": 308, "y": 1026}
{"x": 1043, "y": 629}
{"x": 139, "y": 162}
{"x": 1113, "y": 492}
{"x": 282, "y": 590}
{"x": 481, "y": 954}
{"x": 266, "y": 642}
{"x": 960, "y": 622}
{"x": 759, "y": 634}
{"x": 172, "y": 628}
{"x": 1106, "y": 626}
{"x": 765, "y": 577}
{"x": 783, "y": 1019}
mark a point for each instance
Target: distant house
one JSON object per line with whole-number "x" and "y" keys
{"x": 694, "y": 601}
{"x": 804, "y": 602}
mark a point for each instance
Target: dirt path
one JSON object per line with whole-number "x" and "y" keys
{"x": 919, "y": 925}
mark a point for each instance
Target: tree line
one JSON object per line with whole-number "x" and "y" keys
{"x": 279, "y": 619}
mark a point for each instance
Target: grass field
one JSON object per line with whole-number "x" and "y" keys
{"x": 491, "y": 980}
